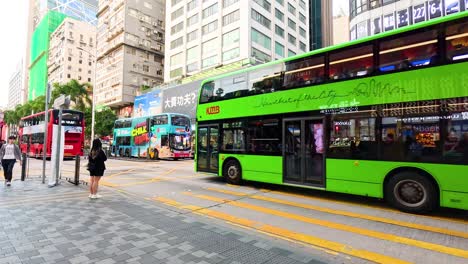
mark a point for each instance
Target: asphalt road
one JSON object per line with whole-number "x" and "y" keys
{"x": 342, "y": 228}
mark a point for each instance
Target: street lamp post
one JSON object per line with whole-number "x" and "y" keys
{"x": 93, "y": 105}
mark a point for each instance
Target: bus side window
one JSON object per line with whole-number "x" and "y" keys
{"x": 304, "y": 72}
{"x": 350, "y": 63}
{"x": 457, "y": 42}
{"x": 410, "y": 51}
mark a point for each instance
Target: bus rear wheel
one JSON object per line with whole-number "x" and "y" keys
{"x": 232, "y": 172}
{"x": 155, "y": 154}
{"x": 411, "y": 192}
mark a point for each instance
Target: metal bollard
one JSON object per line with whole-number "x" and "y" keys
{"x": 138, "y": 152}
{"x": 77, "y": 169}
{"x": 147, "y": 154}
{"x": 23, "y": 167}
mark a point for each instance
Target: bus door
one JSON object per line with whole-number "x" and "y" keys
{"x": 303, "y": 151}
{"x": 207, "y": 148}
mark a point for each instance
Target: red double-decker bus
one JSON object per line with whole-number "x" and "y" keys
{"x": 31, "y": 133}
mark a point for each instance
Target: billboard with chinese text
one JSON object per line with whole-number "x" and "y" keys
{"x": 182, "y": 99}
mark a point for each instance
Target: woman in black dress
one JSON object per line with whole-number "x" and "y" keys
{"x": 96, "y": 167}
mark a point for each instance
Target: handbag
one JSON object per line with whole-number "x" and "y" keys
{"x": 91, "y": 166}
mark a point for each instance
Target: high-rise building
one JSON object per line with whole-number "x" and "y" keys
{"x": 39, "y": 53}
{"x": 130, "y": 49}
{"x": 372, "y": 17}
{"x": 340, "y": 27}
{"x": 15, "y": 89}
{"x": 321, "y": 25}
{"x": 83, "y": 10}
{"x": 205, "y": 34}
{"x": 72, "y": 52}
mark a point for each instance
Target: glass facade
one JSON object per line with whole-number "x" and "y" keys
{"x": 83, "y": 10}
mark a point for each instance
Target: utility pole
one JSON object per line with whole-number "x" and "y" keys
{"x": 60, "y": 103}
{"x": 46, "y": 133}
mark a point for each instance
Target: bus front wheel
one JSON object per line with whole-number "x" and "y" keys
{"x": 155, "y": 154}
{"x": 411, "y": 192}
{"x": 232, "y": 172}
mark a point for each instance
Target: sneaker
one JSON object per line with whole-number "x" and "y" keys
{"x": 8, "y": 184}
{"x": 90, "y": 196}
{"x": 98, "y": 195}
{"x": 93, "y": 196}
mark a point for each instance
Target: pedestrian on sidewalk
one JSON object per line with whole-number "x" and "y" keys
{"x": 96, "y": 167}
{"x": 9, "y": 153}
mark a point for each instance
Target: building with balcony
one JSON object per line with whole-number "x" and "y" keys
{"x": 202, "y": 35}
{"x": 72, "y": 52}
{"x": 369, "y": 17}
{"x": 130, "y": 50}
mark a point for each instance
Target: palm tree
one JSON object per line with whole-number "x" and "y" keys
{"x": 79, "y": 93}
{"x": 38, "y": 104}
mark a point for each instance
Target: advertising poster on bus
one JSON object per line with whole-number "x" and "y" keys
{"x": 147, "y": 104}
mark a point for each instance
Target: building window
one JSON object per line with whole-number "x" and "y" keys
{"x": 176, "y": 73}
{"x": 192, "y": 35}
{"x": 69, "y": 67}
{"x": 193, "y": 53}
{"x": 210, "y": 47}
{"x": 261, "y": 19}
{"x": 302, "y": 18}
{"x": 89, "y": 72}
{"x": 79, "y": 69}
{"x": 89, "y": 79}
{"x": 302, "y": 32}
{"x": 79, "y": 78}
{"x": 177, "y": 42}
{"x": 264, "y": 3}
{"x": 302, "y": 4}
{"x": 90, "y": 63}
{"x": 177, "y": 59}
{"x": 177, "y": 28}
{"x": 291, "y": 9}
{"x": 231, "y": 54}
{"x": 208, "y": 62}
{"x": 192, "y": 20}
{"x": 291, "y": 24}
{"x": 279, "y": 31}
{"x": 175, "y": 2}
{"x": 291, "y": 53}
{"x": 231, "y": 18}
{"x": 281, "y": 2}
{"x": 261, "y": 39}
{"x": 192, "y": 67}
{"x": 192, "y": 5}
{"x": 291, "y": 39}
{"x": 259, "y": 56}
{"x": 227, "y": 3}
{"x": 302, "y": 46}
{"x": 178, "y": 13}
{"x": 81, "y": 61}
{"x": 69, "y": 58}
{"x": 145, "y": 68}
{"x": 68, "y": 76}
{"x": 208, "y": 28}
{"x": 231, "y": 38}
{"x": 279, "y": 49}
{"x": 209, "y": 11}
{"x": 279, "y": 15}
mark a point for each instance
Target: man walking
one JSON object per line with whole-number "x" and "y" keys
{"x": 9, "y": 153}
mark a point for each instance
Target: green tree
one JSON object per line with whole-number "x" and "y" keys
{"x": 79, "y": 94}
{"x": 38, "y": 104}
{"x": 104, "y": 122}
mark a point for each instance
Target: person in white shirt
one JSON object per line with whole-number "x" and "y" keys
{"x": 9, "y": 153}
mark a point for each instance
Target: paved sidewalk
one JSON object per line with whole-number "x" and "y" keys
{"x": 61, "y": 225}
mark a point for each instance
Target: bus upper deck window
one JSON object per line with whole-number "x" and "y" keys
{"x": 350, "y": 63}
{"x": 457, "y": 42}
{"x": 207, "y": 92}
{"x": 409, "y": 51}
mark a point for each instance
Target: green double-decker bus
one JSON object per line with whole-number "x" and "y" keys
{"x": 384, "y": 116}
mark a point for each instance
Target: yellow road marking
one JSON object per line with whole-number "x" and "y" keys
{"x": 347, "y": 213}
{"x": 375, "y": 207}
{"x": 286, "y": 234}
{"x": 347, "y": 228}
{"x": 120, "y": 173}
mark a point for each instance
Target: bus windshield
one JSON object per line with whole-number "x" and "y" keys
{"x": 180, "y": 142}
{"x": 178, "y": 120}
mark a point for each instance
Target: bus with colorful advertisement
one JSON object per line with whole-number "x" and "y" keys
{"x": 31, "y": 133}
{"x": 384, "y": 116}
{"x": 165, "y": 135}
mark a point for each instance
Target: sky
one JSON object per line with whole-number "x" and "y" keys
{"x": 13, "y": 22}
